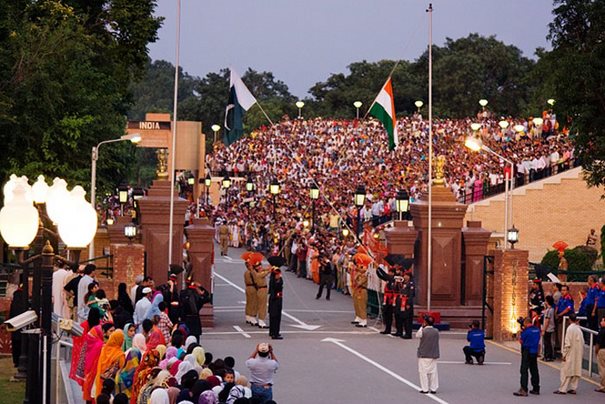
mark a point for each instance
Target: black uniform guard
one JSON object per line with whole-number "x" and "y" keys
{"x": 191, "y": 301}
{"x": 409, "y": 292}
{"x": 394, "y": 300}
{"x": 276, "y": 293}
{"x": 326, "y": 276}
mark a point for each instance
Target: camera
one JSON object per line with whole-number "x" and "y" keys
{"x": 21, "y": 321}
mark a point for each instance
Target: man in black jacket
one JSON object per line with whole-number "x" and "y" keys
{"x": 394, "y": 300}
{"x": 276, "y": 294}
{"x": 191, "y": 301}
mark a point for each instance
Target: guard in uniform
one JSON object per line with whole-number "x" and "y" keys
{"x": 260, "y": 280}
{"x": 276, "y": 294}
{"x": 394, "y": 301}
{"x": 223, "y": 237}
{"x": 250, "y": 295}
{"x": 408, "y": 292}
{"x": 360, "y": 291}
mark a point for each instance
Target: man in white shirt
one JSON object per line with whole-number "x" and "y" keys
{"x": 141, "y": 308}
{"x": 87, "y": 279}
{"x": 262, "y": 365}
{"x": 59, "y": 303}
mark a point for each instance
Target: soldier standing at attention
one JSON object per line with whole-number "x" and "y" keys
{"x": 260, "y": 280}
{"x": 408, "y": 292}
{"x": 223, "y": 237}
{"x": 276, "y": 294}
{"x": 250, "y": 294}
{"x": 360, "y": 291}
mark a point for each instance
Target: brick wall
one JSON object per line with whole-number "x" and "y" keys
{"x": 510, "y": 282}
{"x": 128, "y": 262}
{"x": 558, "y": 208}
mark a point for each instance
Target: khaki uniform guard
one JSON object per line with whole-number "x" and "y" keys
{"x": 223, "y": 238}
{"x": 250, "y": 296}
{"x": 260, "y": 279}
{"x": 360, "y": 296}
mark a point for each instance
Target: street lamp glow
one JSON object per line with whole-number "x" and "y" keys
{"x": 419, "y": 104}
{"x": 483, "y": 102}
{"x": 215, "y": 128}
{"x": 274, "y": 187}
{"x": 519, "y": 128}
{"x": 551, "y": 101}
{"x": 357, "y": 105}
{"x": 207, "y": 180}
{"x": 78, "y": 228}
{"x": 40, "y": 190}
{"x": 226, "y": 182}
{"x": 18, "y": 219}
{"x": 475, "y": 126}
{"x": 473, "y": 143}
{"x": 300, "y": 104}
{"x": 133, "y": 137}
{"x": 402, "y": 201}
{"x": 503, "y": 124}
{"x": 56, "y": 198}
{"x": 538, "y": 121}
{"x": 314, "y": 192}
{"x": 360, "y": 196}
{"x": 345, "y": 232}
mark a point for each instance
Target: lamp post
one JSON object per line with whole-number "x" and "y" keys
{"x": 226, "y": 184}
{"x": 207, "y": 183}
{"x": 402, "y": 203}
{"x": 20, "y": 225}
{"x": 130, "y": 232}
{"x": 250, "y": 184}
{"x": 299, "y": 105}
{"x": 360, "y": 197}
{"x": 551, "y": 102}
{"x": 215, "y": 128}
{"x": 419, "y": 105}
{"x": 274, "y": 189}
{"x": 357, "y": 105}
{"x": 475, "y": 144}
{"x": 512, "y": 236}
{"x": 133, "y": 138}
{"x": 483, "y": 102}
{"x": 314, "y": 194}
{"x": 122, "y": 197}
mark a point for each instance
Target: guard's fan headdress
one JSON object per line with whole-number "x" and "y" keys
{"x": 560, "y": 245}
{"x": 362, "y": 259}
{"x": 276, "y": 261}
{"x": 255, "y": 258}
{"x": 176, "y": 269}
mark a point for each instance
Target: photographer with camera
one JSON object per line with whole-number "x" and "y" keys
{"x": 530, "y": 346}
{"x": 262, "y": 364}
{"x": 428, "y": 353}
{"x": 476, "y": 337}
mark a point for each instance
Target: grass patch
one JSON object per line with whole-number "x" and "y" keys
{"x": 11, "y": 392}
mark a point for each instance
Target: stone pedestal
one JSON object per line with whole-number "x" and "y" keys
{"x": 116, "y": 230}
{"x": 475, "y": 241}
{"x": 155, "y": 219}
{"x": 447, "y": 219}
{"x": 128, "y": 262}
{"x": 201, "y": 252}
{"x": 510, "y": 292}
{"x": 401, "y": 239}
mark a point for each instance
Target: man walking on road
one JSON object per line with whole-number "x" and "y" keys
{"x": 223, "y": 237}
{"x": 428, "y": 353}
{"x": 573, "y": 349}
{"x": 530, "y": 346}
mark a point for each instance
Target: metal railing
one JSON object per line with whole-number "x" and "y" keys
{"x": 591, "y": 333}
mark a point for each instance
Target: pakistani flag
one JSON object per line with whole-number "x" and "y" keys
{"x": 240, "y": 101}
{"x": 383, "y": 108}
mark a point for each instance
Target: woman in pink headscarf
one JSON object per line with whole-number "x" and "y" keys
{"x": 94, "y": 344}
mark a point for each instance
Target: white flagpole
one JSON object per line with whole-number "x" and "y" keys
{"x": 174, "y": 122}
{"x": 430, "y": 235}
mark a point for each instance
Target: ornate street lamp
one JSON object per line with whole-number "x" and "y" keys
{"x": 250, "y": 184}
{"x": 20, "y": 225}
{"x": 402, "y": 203}
{"x": 512, "y": 236}
{"x": 274, "y": 189}
{"x": 360, "y": 198}
{"x": 215, "y": 128}
{"x": 226, "y": 184}
{"x": 357, "y": 105}
{"x": 503, "y": 124}
{"x": 551, "y": 101}
{"x": 418, "y": 105}
{"x": 207, "y": 183}
{"x": 483, "y": 102}
{"x": 314, "y": 194}
{"x": 130, "y": 231}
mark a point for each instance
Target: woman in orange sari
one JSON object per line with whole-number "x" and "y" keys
{"x": 150, "y": 360}
{"x": 111, "y": 359}
{"x": 94, "y": 344}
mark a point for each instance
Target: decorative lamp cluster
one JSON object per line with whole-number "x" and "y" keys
{"x": 75, "y": 218}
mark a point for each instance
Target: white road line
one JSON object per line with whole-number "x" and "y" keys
{"x": 227, "y": 307}
{"x": 464, "y": 363}
{"x": 240, "y": 331}
{"x": 377, "y": 365}
{"x": 374, "y": 329}
{"x": 227, "y": 257}
{"x": 301, "y": 324}
{"x": 292, "y": 332}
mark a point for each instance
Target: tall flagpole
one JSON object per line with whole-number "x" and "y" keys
{"x": 430, "y": 246}
{"x": 174, "y": 122}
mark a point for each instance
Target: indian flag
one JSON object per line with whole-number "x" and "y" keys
{"x": 383, "y": 109}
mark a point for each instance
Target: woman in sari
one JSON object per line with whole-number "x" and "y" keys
{"x": 158, "y": 380}
{"x": 170, "y": 353}
{"x": 125, "y": 377}
{"x": 200, "y": 355}
{"x": 138, "y": 342}
{"x": 76, "y": 371}
{"x": 129, "y": 331}
{"x": 111, "y": 359}
{"x": 141, "y": 376}
{"x": 94, "y": 344}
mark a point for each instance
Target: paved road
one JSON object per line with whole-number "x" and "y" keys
{"x": 338, "y": 363}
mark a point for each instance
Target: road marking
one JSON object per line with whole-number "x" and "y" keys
{"x": 227, "y": 257}
{"x": 240, "y": 331}
{"x": 464, "y": 363}
{"x": 228, "y": 307}
{"x": 549, "y": 364}
{"x": 292, "y": 332}
{"x": 301, "y": 324}
{"x": 377, "y": 365}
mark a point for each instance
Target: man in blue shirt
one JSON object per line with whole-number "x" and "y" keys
{"x": 476, "y": 337}
{"x": 530, "y": 346}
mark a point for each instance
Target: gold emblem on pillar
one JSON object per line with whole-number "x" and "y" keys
{"x": 162, "y": 168}
{"x": 439, "y": 170}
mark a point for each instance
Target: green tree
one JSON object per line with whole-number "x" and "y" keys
{"x": 577, "y": 76}
{"x": 66, "y": 69}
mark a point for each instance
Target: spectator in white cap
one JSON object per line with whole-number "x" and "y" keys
{"x": 141, "y": 308}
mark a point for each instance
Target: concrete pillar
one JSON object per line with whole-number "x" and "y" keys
{"x": 401, "y": 239}
{"x": 510, "y": 291}
{"x": 201, "y": 253}
{"x": 155, "y": 218}
{"x": 447, "y": 222}
{"x": 475, "y": 240}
